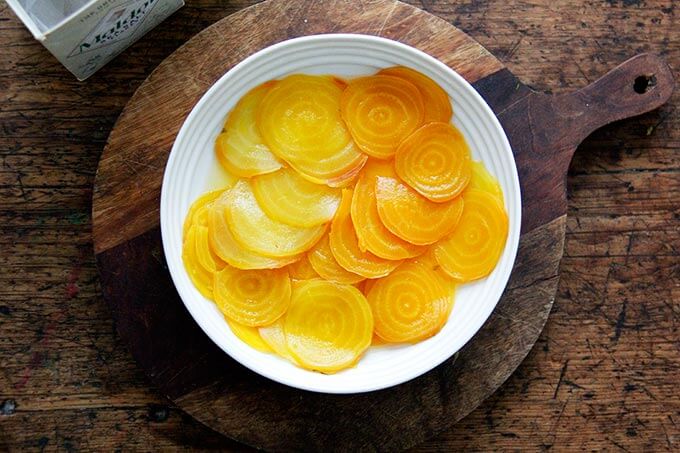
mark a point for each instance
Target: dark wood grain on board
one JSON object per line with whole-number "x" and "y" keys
{"x": 603, "y": 373}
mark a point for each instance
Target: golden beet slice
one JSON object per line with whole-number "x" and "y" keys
{"x": 448, "y": 283}
{"x": 200, "y": 203}
{"x": 435, "y": 99}
{"x": 287, "y": 197}
{"x": 201, "y": 277}
{"x": 472, "y": 250}
{"x": 435, "y": 161}
{"x": 381, "y": 111}
{"x": 328, "y": 326}
{"x": 302, "y": 269}
{"x": 372, "y": 233}
{"x": 253, "y": 298}
{"x": 300, "y": 121}
{"x": 224, "y": 245}
{"x": 205, "y": 255}
{"x": 413, "y": 217}
{"x": 324, "y": 263}
{"x": 337, "y": 170}
{"x": 240, "y": 147}
{"x": 410, "y": 304}
{"x": 274, "y": 336}
{"x": 344, "y": 244}
{"x": 248, "y": 335}
{"x": 254, "y": 230}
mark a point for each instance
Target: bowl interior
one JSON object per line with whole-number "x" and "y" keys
{"x": 192, "y": 169}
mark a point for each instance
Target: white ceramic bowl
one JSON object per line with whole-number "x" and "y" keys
{"x": 192, "y": 159}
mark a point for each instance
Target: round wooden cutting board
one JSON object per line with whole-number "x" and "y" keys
{"x": 201, "y": 379}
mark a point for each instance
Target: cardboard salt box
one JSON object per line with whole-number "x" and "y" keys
{"x": 84, "y": 35}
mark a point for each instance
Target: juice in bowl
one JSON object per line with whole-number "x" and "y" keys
{"x": 366, "y": 220}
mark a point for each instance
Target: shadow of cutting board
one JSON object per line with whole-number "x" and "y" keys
{"x": 196, "y": 375}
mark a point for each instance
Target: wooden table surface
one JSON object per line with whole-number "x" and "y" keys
{"x": 605, "y": 372}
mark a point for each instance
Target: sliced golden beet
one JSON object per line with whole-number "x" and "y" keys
{"x": 413, "y": 217}
{"x": 253, "y": 298}
{"x": 299, "y": 118}
{"x": 225, "y": 246}
{"x": 328, "y": 326}
{"x": 337, "y": 170}
{"x": 302, "y": 269}
{"x": 377, "y": 341}
{"x": 274, "y": 336}
{"x": 436, "y": 100}
{"x": 287, "y": 197}
{"x": 404, "y": 234}
{"x": 435, "y": 161}
{"x": 340, "y": 82}
{"x": 322, "y": 260}
{"x": 300, "y": 121}
{"x": 240, "y": 147}
{"x": 200, "y": 203}
{"x": 361, "y": 285}
{"x": 410, "y": 304}
{"x": 248, "y": 335}
{"x": 380, "y": 111}
{"x": 200, "y": 217}
{"x": 205, "y": 256}
{"x": 372, "y": 233}
{"x": 201, "y": 277}
{"x": 368, "y": 284}
{"x": 473, "y": 249}
{"x": 254, "y": 230}
{"x": 344, "y": 244}
{"x": 449, "y": 283}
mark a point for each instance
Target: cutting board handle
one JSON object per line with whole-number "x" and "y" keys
{"x": 638, "y": 85}
{"x": 545, "y": 130}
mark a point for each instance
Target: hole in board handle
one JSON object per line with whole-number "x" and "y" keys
{"x": 644, "y": 83}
